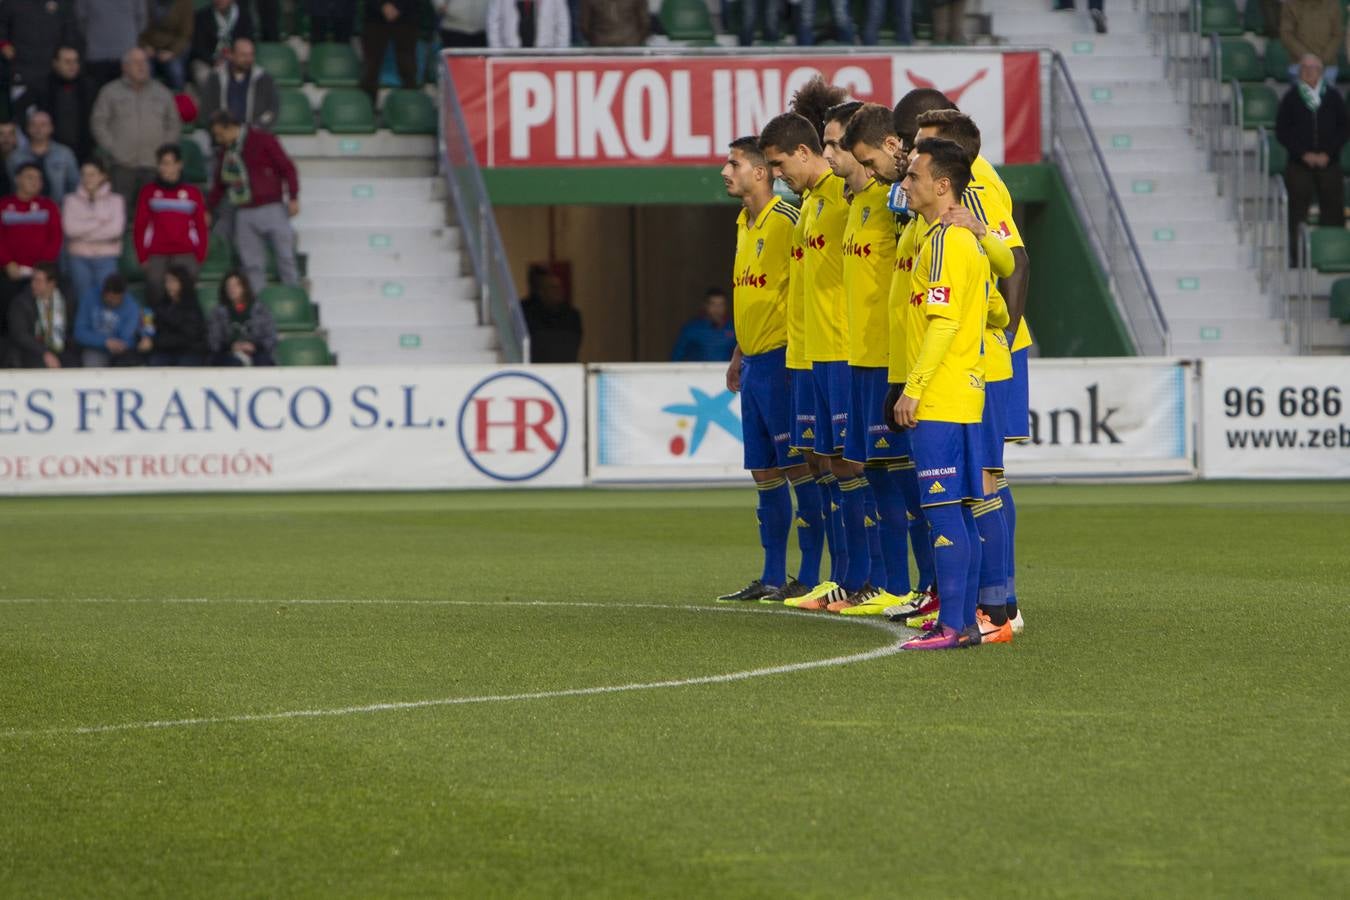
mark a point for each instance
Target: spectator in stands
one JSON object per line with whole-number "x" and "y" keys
{"x": 389, "y": 21}
{"x": 9, "y": 145}
{"x": 752, "y": 11}
{"x": 214, "y": 31}
{"x": 40, "y": 322}
{"x": 462, "y": 23}
{"x": 67, "y": 94}
{"x": 167, "y": 38}
{"x": 709, "y": 337}
{"x": 111, "y": 27}
{"x": 254, "y": 173}
{"x": 30, "y": 230}
{"x": 106, "y": 330}
{"x": 623, "y": 23}
{"x": 1270, "y": 14}
{"x": 94, "y": 219}
{"x": 554, "y": 324}
{"x": 333, "y": 20}
{"x": 806, "y": 22}
{"x": 178, "y": 334}
{"x": 522, "y": 23}
{"x": 60, "y": 170}
{"x": 240, "y": 331}
{"x": 949, "y": 21}
{"x": 1312, "y": 125}
{"x": 1095, "y": 8}
{"x": 170, "y": 227}
{"x": 1312, "y": 27}
{"x": 133, "y": 117}
{"x": 876, "y": 12}
{"x": 268, "y": 20}
{"x": 30, "y": 32}
{"x": 242, "y": 88}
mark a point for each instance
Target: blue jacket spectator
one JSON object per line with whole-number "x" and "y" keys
{"x": 710, "y": 337}
{"x": 60, "y": 170}
{"x": 106, "y": 330}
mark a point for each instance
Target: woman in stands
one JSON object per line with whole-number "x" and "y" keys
{"x": 177, "y": 331}
{"x": 241, "y": 331}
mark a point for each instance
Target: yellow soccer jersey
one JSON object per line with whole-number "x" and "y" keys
{"x": 763, "y": 253}
{"x": 989, "y": 187}
{"x": 824, "y": 214}
{"x": 997, "y": 357}
{"x": 869, "y": 257}
{"x": 796, "y": 304}
{"x": 950, "y": 281}
{"x": 905, "y": 248}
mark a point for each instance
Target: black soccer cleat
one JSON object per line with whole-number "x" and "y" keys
{"x": 753, "y": 591}
{"x": 793, "y": 588}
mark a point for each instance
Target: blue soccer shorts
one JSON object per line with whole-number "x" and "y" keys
{"x": 832, "y": 403}
{"x": 948, "y": 458}
{"x": 869, "y": 439}
{"x": 1016, "y": 411}
{"x": 764, "y": 409}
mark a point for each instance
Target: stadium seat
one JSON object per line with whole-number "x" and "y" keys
{"x": 303, "y": 350}
{"x": 1329, "y": 249}
{"x": 1340, "y": 299}
{"x": 1277, "y": 158}
{"x": 687, "y": 20}
{"x": 1239, "y": 60}
{"x": 128, "y": 264}
{"x": 290, "y": 307}
{"x": 409, "y": 112}
{"x": 1259, "y": 105}
{"x": 1277, "y": 61}
{"x": 295, "y": 115}
{"x": 1254, "y": 18}
{"x": 347, "y": 111}
{"x": 219, "y": 258}
{"x": 1220, "y": 17}
{"x": 280, "y": 61}
{"x": 208, "y": 295}
{"x": 194, "y": 162}
{"x": 334, "y": 65}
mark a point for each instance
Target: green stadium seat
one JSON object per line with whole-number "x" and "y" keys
{"x": 1220, "y": 17}
{"x": 290, "y": 307}
{"x": 409, "y": 112}
{"x": 687, "y": 20}
{"x": 208, "y": 295}
{"x": 1239, "y": 60}
{"x": 280, "y": 61}
{"x": 1277, "y": 158}
{"x": 1277, "y": 61}
{"x": 194, "y": 162}
{"x": 334, "y": 65}
{"x": 219, "y": 258}
{"x": 1329, "y": 249}
{"x": 303, "y": 350}
{"x": 1340, "y": 299}
{"x": 347, "y": 111}
{"x": 295, "y": 115}
{"x": 1254, "y": 18}
{"x": 1259, "y": 105}
{"x": 128, "y": 264}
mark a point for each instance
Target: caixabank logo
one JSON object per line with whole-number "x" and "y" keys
{"x": 512, "y": 426}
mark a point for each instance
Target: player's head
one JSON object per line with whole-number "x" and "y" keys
{"x": 791, "y": 147}
{"x": 837, "y": 118}
{"x": 939, "y": 173}
{"x": 814, "y": 100}
{"x": 905, "y": 116}
{"x": 952, "y": 125}
{"x": 870, "y": 137}
{"x": 745, "y": 172}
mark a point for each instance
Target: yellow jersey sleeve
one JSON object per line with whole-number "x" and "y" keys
{"x": 898, "y": 302}
{"x": 796, "y": 306}
{"x": 825, "y": 213}
{"x": 762, "y": 280}
{"x": 985, "y": 176}
{"x": 869, "y": 258}
{"x": 996, "y": 201}
{"x": 950, "y": 281}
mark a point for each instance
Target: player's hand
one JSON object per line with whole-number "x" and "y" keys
{"x": 964, "y": 218}
{"x": 734, "y": 376}
{"x": 888, "y": 413}
{"x": 905, "y": 411}
{"x": 1310, "y": 160}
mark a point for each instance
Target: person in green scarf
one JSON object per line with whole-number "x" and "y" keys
{"x": 1312, "y": 125}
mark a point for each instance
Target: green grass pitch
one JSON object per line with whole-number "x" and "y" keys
{"x": 1173, "y": 723}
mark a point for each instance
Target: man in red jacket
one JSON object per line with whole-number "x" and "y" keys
{"x": 254, "y": 173}
{"x": 30, "y": 233}
{"x": 170, "y": 226}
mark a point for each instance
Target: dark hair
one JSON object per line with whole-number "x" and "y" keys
{"x": 870, "y": 125}
{"x": 842, "y": 112}
{"x": 115, "y": 284}
{"x": 749, "y": 147}
{"x": 954, "y": 126}
{"x": 169, "y": 150}
{"x": 46, "y": 268}
{"x": 96, "y": 163}
{"x": 714, "y": 292}
{"x": 24, "y": 167}
{"x": 223, "y": 297}
{"x": 789, "y": 131}
{"x": 223, "y": 118}
{"x": 812, "y": 101}
{"x": 188, "y": 294}
{"x": 911, "y": 106}
{"x": 56, "y": 54}
{"x": 949, "y": 161}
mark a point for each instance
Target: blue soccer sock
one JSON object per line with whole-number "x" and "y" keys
{"x": 876, "y": 569}
{"x": 971, "y": 598}
{"x": 775, "y": 521}
{"x": 810, "y": 524}
{"x": 833, "y": 509}
{"x": 859, "y": 559}
{"x": 951, "y": 556}
{"x": 1010, "y": 524}
{"x": 919, "y": 539}
{"x": 993, "y": 593}
{"x": 893, "y": 529}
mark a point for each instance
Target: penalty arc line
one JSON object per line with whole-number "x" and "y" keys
{"x": 243, "y": 718}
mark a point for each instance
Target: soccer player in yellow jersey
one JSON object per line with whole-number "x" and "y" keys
{"x": 758, "y": 371}
{"x": 792, "y": 147}
{"x": 943, "y": 399}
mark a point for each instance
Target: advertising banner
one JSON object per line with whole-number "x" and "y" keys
{"x": 1275, "y": 417}
{"x": 143, "y": 430}
{"x": 673, "y": 109}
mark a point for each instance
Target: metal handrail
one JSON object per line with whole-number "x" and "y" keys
{"x": 1305, "y": 278}
{"x": 500, "y": 301}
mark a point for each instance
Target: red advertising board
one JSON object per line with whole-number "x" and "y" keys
{"x": 544, "y": 111}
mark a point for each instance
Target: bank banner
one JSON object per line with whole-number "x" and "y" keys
{"x": 1275, "y": 417}
{"x": 1107, "y": 418}
{"x": 673, "y": 109}
{"x": 140, "y": 430}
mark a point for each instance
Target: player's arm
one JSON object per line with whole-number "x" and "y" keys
{"x": 997, "y": 315}
{"x": 1001, "y": 260}
{"x": 1014, "y": 287}
{"x": 734, "y": 371}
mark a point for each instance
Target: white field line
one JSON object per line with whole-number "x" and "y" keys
{"x": 899, "y": 635}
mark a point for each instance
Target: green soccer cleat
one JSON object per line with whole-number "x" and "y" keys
{"x": 876, "y": 605}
